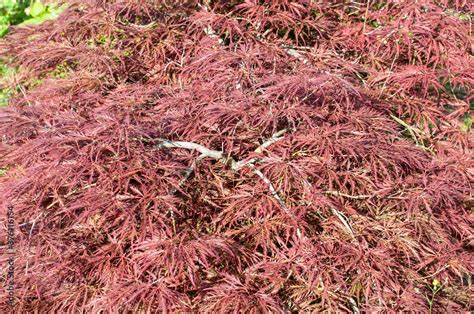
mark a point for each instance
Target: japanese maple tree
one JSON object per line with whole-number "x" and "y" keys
{"x": 242, "y": 156}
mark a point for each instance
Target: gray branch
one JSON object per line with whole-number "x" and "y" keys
{"x": 191, "y": 146}
{"x": 272, "y": 189}
{"x": 235, "y": 165}
{"x": 275, "y": 138}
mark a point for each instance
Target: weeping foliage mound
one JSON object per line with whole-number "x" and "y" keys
{"x": 246, "y": 156}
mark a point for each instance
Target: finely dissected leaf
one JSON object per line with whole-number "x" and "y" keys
{"x": 241, "y": 156}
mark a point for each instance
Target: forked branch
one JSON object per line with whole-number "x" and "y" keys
{"x": 235, "y": 165}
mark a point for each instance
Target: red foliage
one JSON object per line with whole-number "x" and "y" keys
{"x": 246, "y": 156}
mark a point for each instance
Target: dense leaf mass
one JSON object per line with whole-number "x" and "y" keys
{"x": 242, "y": 156}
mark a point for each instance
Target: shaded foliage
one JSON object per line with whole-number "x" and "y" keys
{"x": 247, "y": 156}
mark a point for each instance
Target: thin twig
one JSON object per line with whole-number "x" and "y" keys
{"x": 354, "y": 197}
{"x": 275, "y": 138}
{"x": 24, "y": 93}
{"x": 29, "y": 241}
{"x": 70, "y": 194}
{"x": 271, "y": 188}
{"x": 353, "y": 304}
{"x": 410, "y": 128}
{"x": 413, "y": 132}
{"x": 275, "y": 195}
{"x": 344, "y": 221}
{"x": 434, "y": 274}
{"x": 187, "y": 174}
{"x": 365, "y": 17}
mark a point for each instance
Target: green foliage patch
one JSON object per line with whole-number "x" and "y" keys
{"x": 20, "y": 12}
{"x": 23, "y": 12}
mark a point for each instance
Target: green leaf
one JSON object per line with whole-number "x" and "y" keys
{"x": 467, "y": 123}
{"x": 8, "y": 3}
{"x": 37, "y": 8}
{"x": 3, "y": 171}
{"x": 49, "y": 12}
{"x": 3, "y": 30}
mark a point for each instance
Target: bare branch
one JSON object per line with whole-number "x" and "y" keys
{"x": 354, "y": 307}
{"x": 29, "y": 241}
{"x": 235, "y": 165}
{"x": 192, "y": 146}
{"x": 275, "y": 138}
{"x": 344, "y": 221}
{"x": 271, "y": 188}
{"x": 87, "y": 186}
{"x": 354, "y": 197}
